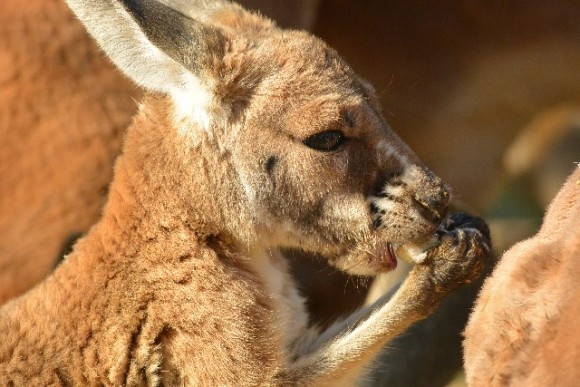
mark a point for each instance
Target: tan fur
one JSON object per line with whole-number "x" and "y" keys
{"x": 174, "y": 284}
{"x": 524, "y": 329}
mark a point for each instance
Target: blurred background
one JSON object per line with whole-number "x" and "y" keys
{"x": 486, "y": 93}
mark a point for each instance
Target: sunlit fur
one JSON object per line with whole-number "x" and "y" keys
{"x": 524, "y": 328}
{"x": 180, "y": 281}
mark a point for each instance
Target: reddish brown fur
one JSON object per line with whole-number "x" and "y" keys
{"x": 177, "y": 283}
{"x": 133, "y": 298}
{"x": 56, "y": 163}
{"x": 415, "y": 80}
{"x": 63, "y": 111}
{"x": 524, "y": 330}
{"x": 153, "y": 294}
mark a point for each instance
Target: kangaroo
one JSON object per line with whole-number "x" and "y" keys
{"x": 530, "y": 338}
{"x": 250, "y": 139}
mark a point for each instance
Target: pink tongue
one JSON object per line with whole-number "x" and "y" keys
{"x": 392, "y": 261}
{"x": 389, "y": 256}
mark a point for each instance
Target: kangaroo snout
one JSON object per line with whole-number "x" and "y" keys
{"x": 431, "y": 194}
{"x": 433, "y": 198}
{"x": 409, "y": 206}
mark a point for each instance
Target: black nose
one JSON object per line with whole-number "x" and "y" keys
{"x": 434, "y": 202}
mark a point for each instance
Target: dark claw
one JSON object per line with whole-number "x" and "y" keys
{"x": 463, "y": 220}
{"x": 462, "y": 252}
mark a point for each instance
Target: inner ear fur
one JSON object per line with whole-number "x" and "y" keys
{"x": 175, "y": 47}
{"x": 191, "y": 43}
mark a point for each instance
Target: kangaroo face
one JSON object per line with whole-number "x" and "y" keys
{"x": 320, "y": 167}
{"x": 310, "y": 157}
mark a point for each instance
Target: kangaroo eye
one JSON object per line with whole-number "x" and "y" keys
{"x": 328, "y": 141}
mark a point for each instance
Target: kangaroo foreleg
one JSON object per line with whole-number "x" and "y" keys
{"x": 342, "y": 352}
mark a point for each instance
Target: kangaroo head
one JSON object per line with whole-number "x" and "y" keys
{"x": 295, "y": 148}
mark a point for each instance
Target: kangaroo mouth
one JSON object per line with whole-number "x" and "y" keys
{"x": 383, "y": 259}
{"x": 390, "y": 256}
{"x": 414, "y": 253}
{"x": 386, "y": 255}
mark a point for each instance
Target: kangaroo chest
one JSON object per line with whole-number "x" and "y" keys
{"x": 290, "y": 313}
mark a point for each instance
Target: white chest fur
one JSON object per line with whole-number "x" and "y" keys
{"x": 291, "y": 316}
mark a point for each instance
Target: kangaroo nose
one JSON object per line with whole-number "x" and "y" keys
{"x": 436, "y": 208}
{"x": 434, "y": 199}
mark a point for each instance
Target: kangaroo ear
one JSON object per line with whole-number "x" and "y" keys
{"x": 159, "y": 48}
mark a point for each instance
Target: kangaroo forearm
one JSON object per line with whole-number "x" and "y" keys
{"x": 354, "y": 342}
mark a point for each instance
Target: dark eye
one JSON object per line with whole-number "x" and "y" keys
{"x": 328, "y": 141}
